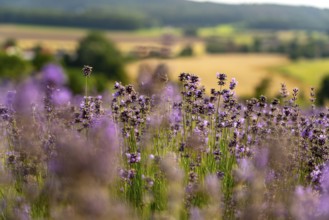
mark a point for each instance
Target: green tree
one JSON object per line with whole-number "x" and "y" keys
{"x": 294, "y": 49}
{"x": 10, "y": 42}
{"x": 215, "y": 45}
{"x": 323, "y": 93}
{"x": 262, "y": 87}
{"x": 96, "y": 84}
{"x": 257, "y": 44}
{"x": 187, "y": 51}
{"x": 190, "y": 32}
{"x": 13, "y": 67}
{"x": 41, "y": 57}
{"x": 100, "y": 53}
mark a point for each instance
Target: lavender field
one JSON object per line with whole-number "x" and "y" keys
{"x": 162, "y": 151}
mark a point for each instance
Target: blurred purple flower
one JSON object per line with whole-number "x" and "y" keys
{"x": 172, "y": 93}
{"x": 62, "y": 96}
{"x": 261, "y": 158}
{"x": 316, "y": 174}
{"x": 195, "y": 214}
{"x": 233, "y": 84}
{"x": 269, "y": 176}
{"x": 133, "y": 158}
{"x": 246, "y": 170}
{"x": 323, "y": 208}
{"x": 28, "y": 94}
{"x": 305, "y": 204}
{"x": 324, "y": 180}
{"x": 307, "y": 133}
{"x": 107, "y": 133}
{"x": 53, "y": 74}
{"x": 175, "y": 116}
{"x": 9, "y": 101}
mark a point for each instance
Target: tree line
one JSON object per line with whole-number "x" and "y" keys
{"x": 134, "y": 14}
{"x": 294, "y": 49}
{"x": 117, "y": 21}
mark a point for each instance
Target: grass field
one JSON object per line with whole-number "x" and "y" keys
{"x": 249, "y": 70}
{"x": 310, "y": 72}
{"x": 220, "y": 30}
{"x": 241, "y": 35}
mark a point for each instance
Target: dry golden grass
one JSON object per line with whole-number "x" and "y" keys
{"x": 51, "y": 45}
{"x": 248, "y": 69}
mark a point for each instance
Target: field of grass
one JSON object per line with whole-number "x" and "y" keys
{"x": 249, "y": 70}
{"x": 309, "y": 72}
{"x": 289, "y": 35}
{"x": 241, "y": 35}
{"x": 238, "y": 35}
{"x": 220, "y": 30}
{"x": 68, "y": 33}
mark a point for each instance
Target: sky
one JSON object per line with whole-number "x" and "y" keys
{"x": 314, "y": 3}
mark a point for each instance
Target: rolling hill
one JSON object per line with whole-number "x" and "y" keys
{"x": 133, "y": 14}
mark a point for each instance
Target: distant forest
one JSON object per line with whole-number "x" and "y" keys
{"x": 134, "y": 14}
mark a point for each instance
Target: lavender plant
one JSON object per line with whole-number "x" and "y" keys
{"x": 182, "y": 153}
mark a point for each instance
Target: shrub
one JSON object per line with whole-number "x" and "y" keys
{"x": 96, "y": 50}
{"x": 323, "y": 93}
{"x": 187, "y": 51}
{"x": 13, "y": 67}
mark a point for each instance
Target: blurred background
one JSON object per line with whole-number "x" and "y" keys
{"x": 261, "y": 45}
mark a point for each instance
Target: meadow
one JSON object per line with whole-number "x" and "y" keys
{"x": 310, "y": 72}
{"x": 248, "y": 69}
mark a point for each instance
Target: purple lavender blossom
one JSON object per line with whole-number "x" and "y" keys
{"x": 261, "y": 158}
{"x": 133, "y": 158}
{"x": 233, "y": 84}
{"x": 10, "y": 98}
{"x": 221, "y": 78}
{"x": 28, "y": 94}
{"x": 305, "y": 204}
{"x": 324, "y": 180}
{"x": 62, "y": 96}
{"x": 316, "y": 174}
{"x": 245, "y": 170}
{"x": 87, "y": 70}
{"x": 54, "y": 75}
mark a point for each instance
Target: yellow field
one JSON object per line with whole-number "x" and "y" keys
{"x": 249, "y": 70}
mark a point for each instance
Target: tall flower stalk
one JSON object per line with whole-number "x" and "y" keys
{"x": 86, "y": 72}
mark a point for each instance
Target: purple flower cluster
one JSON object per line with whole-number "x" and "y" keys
{"x": 187, "y": 154}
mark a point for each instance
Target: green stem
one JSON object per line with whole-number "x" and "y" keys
{"x": 86, "y": 86}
